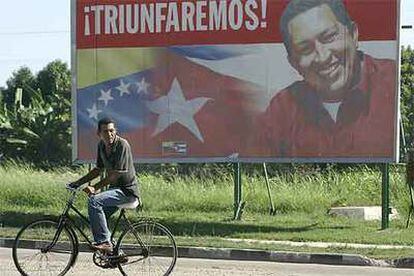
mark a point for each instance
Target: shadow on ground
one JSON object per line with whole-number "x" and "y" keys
{"x": 182, "y": 228}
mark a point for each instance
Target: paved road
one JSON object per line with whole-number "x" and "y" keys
{"x": 192, "y": 267}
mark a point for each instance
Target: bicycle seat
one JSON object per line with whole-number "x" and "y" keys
{"x": 130, "y": 205}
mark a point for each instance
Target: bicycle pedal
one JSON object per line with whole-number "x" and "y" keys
{"x": 110, "y": 265}
{"x": 123, "y": 259}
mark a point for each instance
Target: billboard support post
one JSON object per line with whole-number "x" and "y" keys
{"x": 238, "y": 204}
{"x": 385, "y": 196}
{"x": 272, "y": 210}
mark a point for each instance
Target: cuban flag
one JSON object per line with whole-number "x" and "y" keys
{"x": 190, "y": 102}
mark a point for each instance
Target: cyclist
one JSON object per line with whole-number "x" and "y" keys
{"x": 114, "y": 156}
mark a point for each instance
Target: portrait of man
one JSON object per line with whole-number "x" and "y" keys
{"x": 345, "y": 103}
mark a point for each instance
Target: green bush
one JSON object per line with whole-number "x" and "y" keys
{"x": 37, "y": 129}
{"x": 39, "y": 133}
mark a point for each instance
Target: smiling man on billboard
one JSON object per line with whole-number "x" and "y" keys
{"x": 345, "y": 104}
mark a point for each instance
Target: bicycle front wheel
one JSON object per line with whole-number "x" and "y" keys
{"x": 40, "y": 248}
{"x": 146, "y": 248}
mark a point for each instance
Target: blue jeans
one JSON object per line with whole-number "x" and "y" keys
{"x": 101, "y": 206}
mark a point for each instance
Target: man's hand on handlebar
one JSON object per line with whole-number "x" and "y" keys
{"x": 89, "y": 190}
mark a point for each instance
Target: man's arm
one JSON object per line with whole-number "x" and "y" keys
{"x": 94, "y": 173}
{"x": 112, "y": 177}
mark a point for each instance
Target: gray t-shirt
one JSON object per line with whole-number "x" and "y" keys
{"x": 120, "y": 160}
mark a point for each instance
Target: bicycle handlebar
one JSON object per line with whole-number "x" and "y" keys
{"x": 72, "y": 188}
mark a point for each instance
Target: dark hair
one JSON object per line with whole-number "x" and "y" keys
{"x": 105, "y": 121}
{"x": 296, "y": 7}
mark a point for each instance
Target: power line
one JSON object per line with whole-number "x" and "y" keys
{"x": 35, "y": 32}
{"x": 28, "y": 59}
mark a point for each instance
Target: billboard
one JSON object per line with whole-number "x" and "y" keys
{"x": 238, "y": 81}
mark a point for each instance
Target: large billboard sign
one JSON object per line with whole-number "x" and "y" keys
{"x": 238, "y": 80}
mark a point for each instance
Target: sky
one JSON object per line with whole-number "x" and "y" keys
{"x": 36, "y": 32}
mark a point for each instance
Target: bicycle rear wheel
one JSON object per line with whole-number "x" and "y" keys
{"x": 147, "y": 248}
{"x": 38, "y": 251}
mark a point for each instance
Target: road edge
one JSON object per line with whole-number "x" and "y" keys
{"x": 266, "y": 256}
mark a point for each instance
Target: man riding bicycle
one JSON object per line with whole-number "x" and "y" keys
{"x": 115, "y": 157}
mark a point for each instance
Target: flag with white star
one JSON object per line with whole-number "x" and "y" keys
{"x": 122, "y": 99}
{"x": 176, "y": 109}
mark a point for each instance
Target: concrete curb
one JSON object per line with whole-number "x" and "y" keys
{"x": 320, "y": 244}
{"x": 279, "y": 256}
{"x": 266, "y": 255}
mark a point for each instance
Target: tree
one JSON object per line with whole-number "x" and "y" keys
{"x": 2, "y": 91}
{"x": 22, "y": 78}
{"x": 54, "y": 79}
{"x": 407, "y": 94}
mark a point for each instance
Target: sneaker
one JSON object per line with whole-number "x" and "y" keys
{"x": 103, "y": 247}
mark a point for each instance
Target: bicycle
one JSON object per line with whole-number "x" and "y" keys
{"x": 145, "y": 246}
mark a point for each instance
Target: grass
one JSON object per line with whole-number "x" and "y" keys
{"x": 199, "y": 212}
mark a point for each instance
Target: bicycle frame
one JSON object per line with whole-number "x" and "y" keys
{"x": 66, "y": 219}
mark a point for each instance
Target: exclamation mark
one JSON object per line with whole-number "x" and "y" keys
{"x": 87, "y": 30}
{"x": 263, "y": 24}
